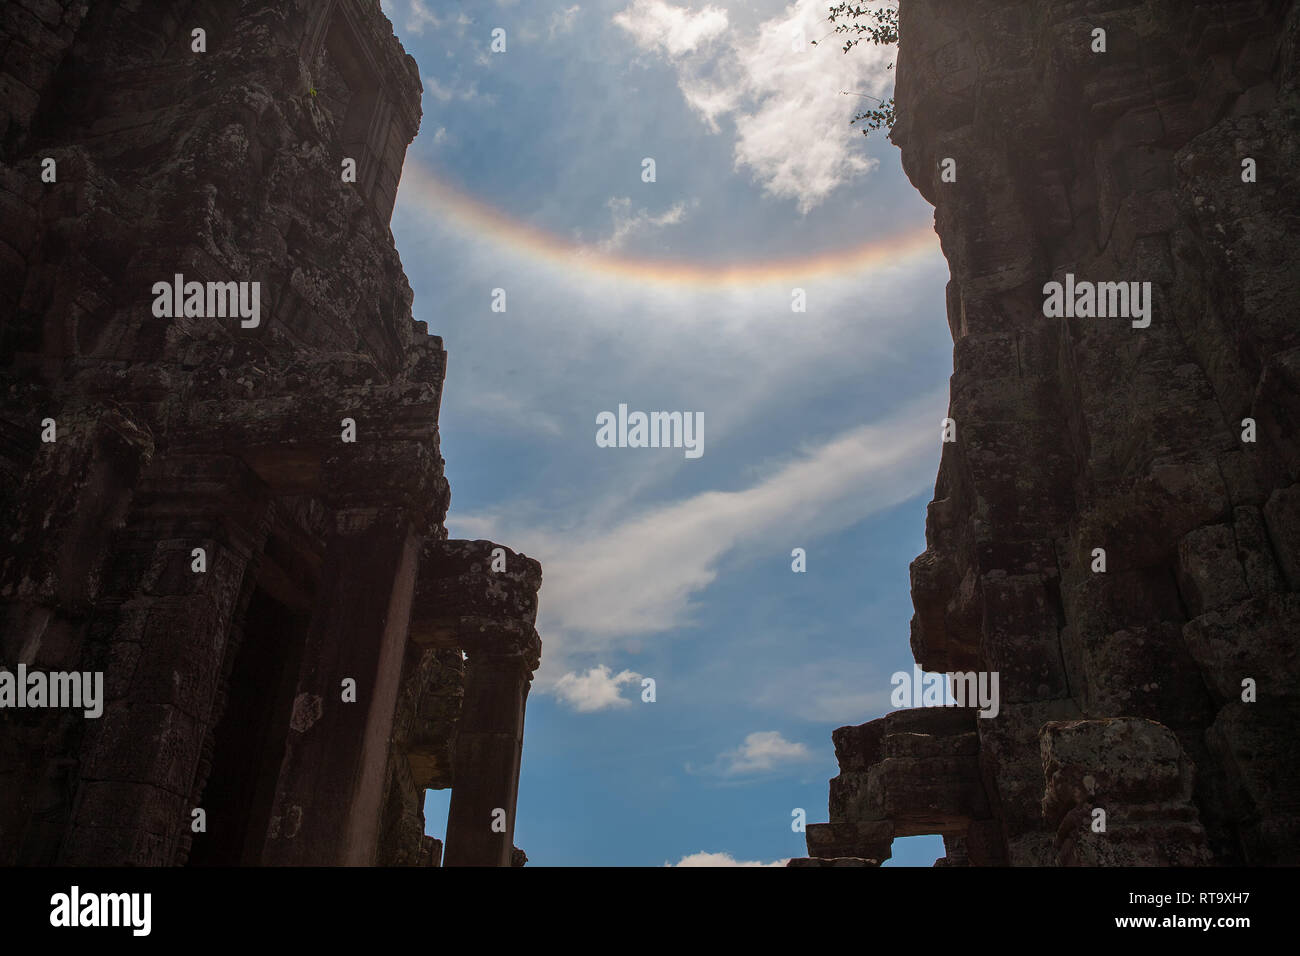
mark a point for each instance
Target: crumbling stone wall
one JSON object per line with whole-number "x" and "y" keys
{"x": 1159, "y": 685}
{"x": 233, "y": 516}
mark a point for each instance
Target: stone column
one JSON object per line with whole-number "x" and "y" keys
{"x": 164, "y": 628}
{"x": 327, "y": 804}
{"x": 482, "y": 598}
{"x": 488, "y": 751}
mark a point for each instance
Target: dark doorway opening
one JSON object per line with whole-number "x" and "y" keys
{"x": 249, "y": 740}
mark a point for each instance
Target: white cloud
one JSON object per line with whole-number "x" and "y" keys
{"x": 761, "y": 751}
{"x": 720, "y": 859}
{"x": 562, "y": 20}
{"x": 790, "y": 116}
{"x": 435, "y": 89}
{"x": 628, "y": 223}
{"x": 445, "y": 94}
{"x": 676, "y": 31}
{"x": 419, "y": 16}
{"x": 595, "y": 690}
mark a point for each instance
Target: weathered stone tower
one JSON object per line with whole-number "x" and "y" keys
{"x": 288, "y": 642}
{"x": 1123, "y": 689}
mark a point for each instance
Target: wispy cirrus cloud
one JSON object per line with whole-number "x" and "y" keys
{"x": 446, "y": 92}
{"x": 627, "y": 223}
{"x": 640, "y": 574}
{"x": 563, "y": 20}
{"x": 411, "y": 16}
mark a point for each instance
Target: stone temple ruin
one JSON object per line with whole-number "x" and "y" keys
{"x": 1164, "y": 690}
{"x": 239, "y": 523}
{"x": 180, "y": 509}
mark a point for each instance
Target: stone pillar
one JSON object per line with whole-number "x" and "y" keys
{"x": 482, "y": 598}
{"x": 327, "y": 803}
{"x": 488, "y": 751}
{"x": 162, "y": 652}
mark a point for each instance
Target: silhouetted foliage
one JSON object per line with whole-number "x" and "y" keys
{"x": 880, "y": 26}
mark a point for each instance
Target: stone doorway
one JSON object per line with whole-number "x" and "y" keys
{"x": 239, "y": 793}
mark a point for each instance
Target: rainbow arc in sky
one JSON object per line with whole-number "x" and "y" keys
{"x": 422, "y": 186}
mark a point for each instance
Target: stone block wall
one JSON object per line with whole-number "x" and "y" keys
{"x": 1121, "y": 690}
{"x": 132, "y": 151}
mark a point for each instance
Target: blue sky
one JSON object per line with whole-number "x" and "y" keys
{"x": 821, "y": 428}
